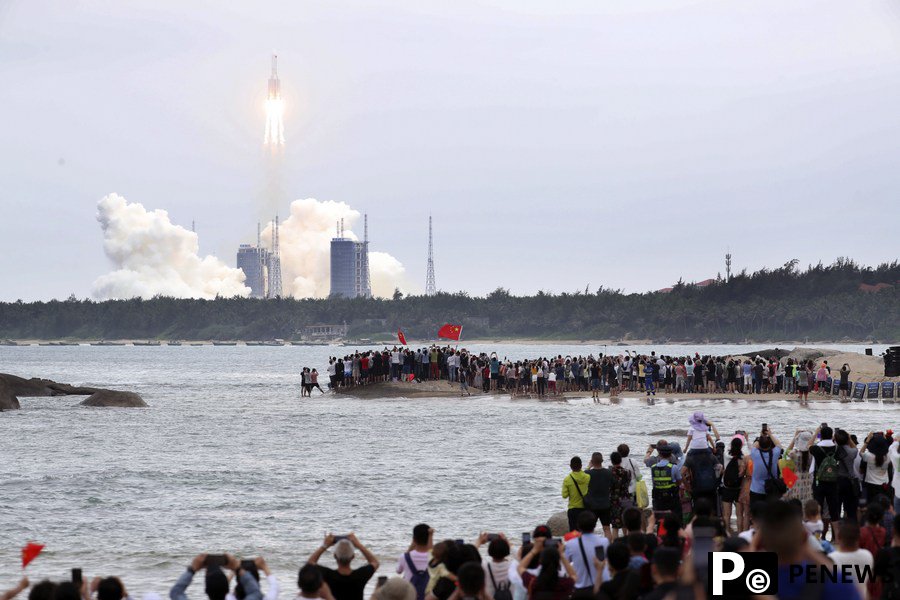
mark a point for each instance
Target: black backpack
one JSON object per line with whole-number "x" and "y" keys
{"x": 732, "y": 476}
{"x": 502, "y": 591}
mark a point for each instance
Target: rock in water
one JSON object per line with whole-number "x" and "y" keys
{"x": 114, "y": 398}
{"x": 8, "y": 400}
{"x": 559, "y": 523}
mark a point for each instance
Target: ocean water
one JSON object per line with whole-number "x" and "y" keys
{"x": 229, "y": 458}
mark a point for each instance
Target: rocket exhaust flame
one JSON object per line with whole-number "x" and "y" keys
{"x": 274, "y": 137}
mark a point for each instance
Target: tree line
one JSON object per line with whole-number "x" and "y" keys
{"x": 822, "y": 302}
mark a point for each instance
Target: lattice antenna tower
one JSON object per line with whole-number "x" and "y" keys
{"x": 728, "y": 265}
{"x": 430, "y": 289}
{"x": 275, "y": 266}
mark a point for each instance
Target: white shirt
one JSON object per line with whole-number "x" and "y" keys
{"x": 419, "y": 559}
{"x": 860, "y": 557}
{"x": 894, "y": 457}
{"x": 586, "y": 575}
{"x": 500, "y": 572}
{"x": 874, "y": 474}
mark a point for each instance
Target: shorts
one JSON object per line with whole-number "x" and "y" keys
{"x": 803, "y": 389}
{"x": 595, "y": 384}
{"x": 729, "y": 494}
{"x": 604, "y": 514}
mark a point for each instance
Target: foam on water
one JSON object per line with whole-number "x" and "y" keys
{"x": 229, "y": 458}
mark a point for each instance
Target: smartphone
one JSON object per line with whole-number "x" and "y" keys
{"x": 653, "y": 446}
{"x": 382, "y": 579}
{"x": 248, "y": 564}
{"x": 600, "y": 553}
{"x": 338, "y": 538}
{"x": 76, "y": 576}
{"x": 460, "y": 542}
{"x": 552, "y": 542}
{"x": 765, "y": 427}
{"x": 493, "y": 536}
{"x": 526, "y": 538}
{"x": 215, "y": 560}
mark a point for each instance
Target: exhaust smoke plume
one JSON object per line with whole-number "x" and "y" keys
{"x": 306, "y": 246}
{"x": 152, "y": 256}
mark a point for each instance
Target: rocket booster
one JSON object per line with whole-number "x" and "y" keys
{"x": 274, "y": 83}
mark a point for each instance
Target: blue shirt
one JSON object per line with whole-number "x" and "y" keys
{"x": 758, "y": 482}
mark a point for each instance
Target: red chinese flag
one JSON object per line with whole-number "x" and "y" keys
{"x": 401, "y": 337}
{"x": 450, "y": 332}
{"x": 30, "y": 552}
{"x": 410, "y": 377}
{"x": 789, "y": 477}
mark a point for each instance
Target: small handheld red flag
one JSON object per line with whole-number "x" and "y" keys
{"x": 30, "y": 552}
{"x": 410, "y": 377}
{"x": 401, "y": 337}
{"x": 450, "y": 332}
{"x": 790, "y": 478}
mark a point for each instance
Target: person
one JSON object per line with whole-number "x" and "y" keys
{"x": 580, "y": 550}
{"x": 413, "y": 564}
{"x": 698, "y": 438}
{"x": 471, "y": 581}
{"x": 598, "y": 497}
{"x": 216, "y": 582}
{"x": 259, "y": 564}
{"x": 849, "y": 553}
{"x": 812, "y": 519}
{"x": 497, "y": 567}
{"x": 311, "y": 583}
{"x": 574, "y": 487}
{"x": 873, "y": 537}
{"x": 15, "y": 591}
{"x": 632, "y": 466}
{"x": 887, "y": 565}
{"x": 314, "y": 382}
{"x": 623, "y": 581}
{"x": 344, "y": 582}
{"x": 803, "y": 383}
{"x": 765, "y": 454}
{"x": 732, "y": 482}
{"x": 665, "y": 568}
{"x": 825, "y": 469}
{"x": 844, "y": 385}
{"x": 666, "y": 475}
{"x": 781, "y": 531}
{"x": 874, "y": 453}
{"x": 848, "y": 483}
{"x": 547, "y": 584}
{"x": 619, "y": 498}
{"x": 44, "y": 590}
{"x": 395, "y": 588}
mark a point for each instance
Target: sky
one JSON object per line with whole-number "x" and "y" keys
{"x": 556, "y": 145}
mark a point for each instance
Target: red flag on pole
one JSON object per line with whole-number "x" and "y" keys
{"x": 450, "y": 332}
{"x": 30, "y": 552}
{"x": 401, "y": 337}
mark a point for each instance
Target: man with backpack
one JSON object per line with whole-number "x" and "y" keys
{"x": 825, "y": 474}
{"x": 706, "y": 471}
{"x": 413, "y": 564}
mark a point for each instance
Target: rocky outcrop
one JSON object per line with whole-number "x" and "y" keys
{"x": 113, "y": 398}
{"x": 559, "y": 523}
{"x": 8, "y": 400}
{"x": 13, "y": 387}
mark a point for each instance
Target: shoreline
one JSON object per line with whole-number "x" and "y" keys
{"x": 479, "y": 341}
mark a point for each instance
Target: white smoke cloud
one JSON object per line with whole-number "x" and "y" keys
{"x": 153, "y": 256}
{"x": 305, "y": 240}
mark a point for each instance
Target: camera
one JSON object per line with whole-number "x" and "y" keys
{"x": 215, "y": 560}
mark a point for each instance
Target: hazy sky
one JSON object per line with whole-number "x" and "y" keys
{"x": 556, "y": 144}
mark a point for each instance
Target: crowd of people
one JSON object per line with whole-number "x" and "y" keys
{"x": 636, "y": 527}
{"x": 554, "y": 376}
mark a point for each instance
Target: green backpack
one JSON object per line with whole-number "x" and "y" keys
{"x": 828, "y": 469}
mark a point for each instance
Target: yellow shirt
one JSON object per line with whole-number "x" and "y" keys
{"x": 576, "y": 500}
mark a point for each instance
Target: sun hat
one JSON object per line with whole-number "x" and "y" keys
{"x": 804, "y": 441}
{"x": 697, "y": 421}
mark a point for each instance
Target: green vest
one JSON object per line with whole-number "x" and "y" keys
{"x": 662, "y": 478}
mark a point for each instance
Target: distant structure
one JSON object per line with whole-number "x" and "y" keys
{"x": 350, "y": 265}
{"x": 274, "y": 290}
{"x": 430, "y": 289}
{"x": 728, "y": 266}
{"x": 261, "y": 266}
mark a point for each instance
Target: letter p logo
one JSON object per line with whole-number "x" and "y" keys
{"x": 719, "y": 575}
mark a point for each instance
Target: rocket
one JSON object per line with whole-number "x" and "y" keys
{"x": 274, "y": 83}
